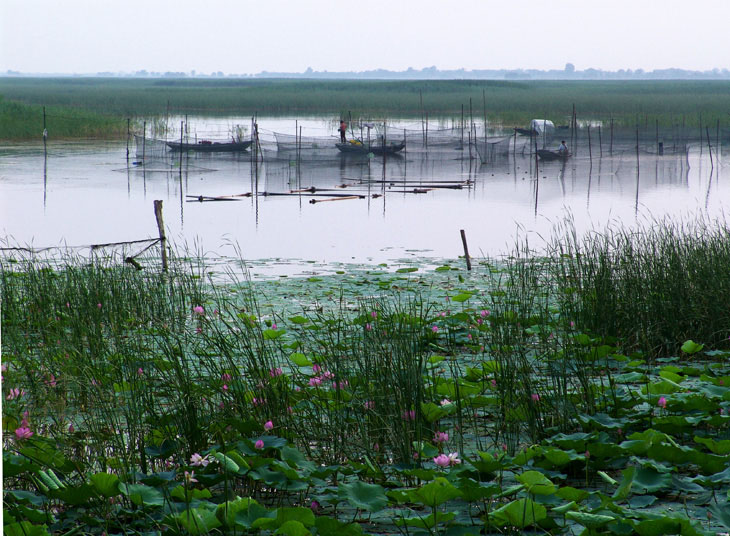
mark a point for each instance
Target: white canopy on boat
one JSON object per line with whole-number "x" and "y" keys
{"x": 542, "y": 126}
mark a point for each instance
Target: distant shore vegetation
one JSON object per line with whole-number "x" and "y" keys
{"x": 99, "y": 107}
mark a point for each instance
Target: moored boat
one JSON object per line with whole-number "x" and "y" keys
{"x": 210, "y": 146}
{"x": 357, "y": 147}
{"x": 545, "y": 154}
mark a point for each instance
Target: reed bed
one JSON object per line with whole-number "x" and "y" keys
{"x": 628, "y": 103}
{"x": 520, "y": 396}
{"x": 25, "y": 121}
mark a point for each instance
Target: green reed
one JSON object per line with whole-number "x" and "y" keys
{"x": 653, "y": 287}
{"x": 511, "y": 103}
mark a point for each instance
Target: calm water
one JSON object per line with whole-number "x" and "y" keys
{"x": 87, "y": 193}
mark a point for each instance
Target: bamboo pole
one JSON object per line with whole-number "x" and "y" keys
{"x": 144, "y": 139}
{"x": 161, "y": 230}
{"x": 127, "y": 141}
{"x": 466, "y": 249}
{"x": 709, "y": 148}
{"x": 590, "y": 150}
{"x": 610, "y": 150}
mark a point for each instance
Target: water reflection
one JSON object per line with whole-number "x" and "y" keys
{"x": 376, "y": 209}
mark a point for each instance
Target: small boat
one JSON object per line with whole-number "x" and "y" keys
{"x": 360, "y": 148}
{"x": 210, "y": 146}
{"x": 545, "y": 154}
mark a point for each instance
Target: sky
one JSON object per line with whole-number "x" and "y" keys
{"x": 250, "y": 36}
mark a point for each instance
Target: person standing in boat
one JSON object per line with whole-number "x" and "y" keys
{"x": 343, "y": 131}
{"x": 563, "y": 149}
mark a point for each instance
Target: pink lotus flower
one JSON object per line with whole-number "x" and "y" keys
{"x": 274, "y": 372}
{"x": 435, "y": 329}
{"x": 273, "y": 326}
{"x": 190, "y": 477}
{"x": 409, "y": 415}
{"x": 316, "y": 368}
{"x": 535, "y": 397}
{"x": 225, "y": 387}
{"x": 369, "y": 404}
{"x": 268, "y": 425}
{"x": 71, "y": 428}
{"x": 98, "y": 305}
{"x": 484, "y": 313}
{"x": 315, "y": 382}
{"x": 23, "y": 433}
{"x": 140, "y": 371}
{"x": 259, "y": 444}
{"x": 662, "y": 402}
{"x": 445, "y": 402}
{"x": 368, "y": 327}
{"x": 442, "y": 460}
{"x": 314, "y": 506}
{"x": 454, "y": 458}
{"x": 441, "y": 437}
{"x": 374, "y": 314}
{"x": 197, "y": 460}
{"x": 225, "y": 377}
{"x": 198, "y": 310}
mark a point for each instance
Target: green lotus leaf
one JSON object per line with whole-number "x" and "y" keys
{"x": 589, "y": 521}
{"x": 435, "y": 493}
{"x": 521, "y": 513}
{"x": 370, "y": 497}
{"x": 105, "y": 483}
{"x": 536, "y": 483}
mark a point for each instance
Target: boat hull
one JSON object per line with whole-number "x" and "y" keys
{"x": 210, "y": 147}
{"x": 351, "y": 148}
{"x": 547, "y": 155}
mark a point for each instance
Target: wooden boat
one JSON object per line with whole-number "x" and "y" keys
{"x": 545, "y": 154}
{"x": 210, "y": 146}
{"x": 359, "y": 148}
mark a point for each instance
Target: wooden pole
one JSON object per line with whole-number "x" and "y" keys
{"x": 709, "y": 148}
{"x": 600, "y": 143}
{"x": 45, "y": 130}
{"x": 182, "y": 124}
{"x": 426, "y": 130}
{"x": 462, "y": 126}
{"x": 590, "y": 150}
{"x": 127, "y": 139}
{"x": 144, "y": 138}
{"x": 466, "y": 249}
{"x": 161, "y": 229}
{"x": 610, "y": 147}
{"x": 423, "y": 131}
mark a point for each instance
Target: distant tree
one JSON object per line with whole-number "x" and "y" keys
{"x": 569, "y": 68}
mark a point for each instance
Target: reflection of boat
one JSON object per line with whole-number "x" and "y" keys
{"x": 210, "y": 146}
{"x": 360, "y": 148}
{"x": 545, "y": 154}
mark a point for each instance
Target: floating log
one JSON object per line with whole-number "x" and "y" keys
{"x": 343, "y": 198}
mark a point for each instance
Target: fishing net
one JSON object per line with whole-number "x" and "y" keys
{"x": 150, "y": 147}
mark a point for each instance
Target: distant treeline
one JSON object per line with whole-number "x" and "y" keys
{"x": 512, "y": 103}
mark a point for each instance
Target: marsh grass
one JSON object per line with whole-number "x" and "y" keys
{"x": 23, "y": 121}
{"x": 653, "y": 287}
{"x": 511, "y": 103}
{"x": 128, "y": 374}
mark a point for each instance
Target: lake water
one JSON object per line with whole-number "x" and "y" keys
{"x": 84, "y": 193}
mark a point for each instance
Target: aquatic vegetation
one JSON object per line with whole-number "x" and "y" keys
{"x": 330, "y": 405}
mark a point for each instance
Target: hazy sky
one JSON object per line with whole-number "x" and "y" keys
{"x": 249, "y": 36}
